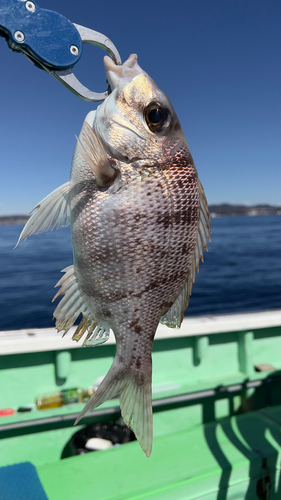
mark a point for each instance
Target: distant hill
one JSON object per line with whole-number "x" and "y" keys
{"x": 223, "y": 210}
{"x": 227, "y": 210}
{"x": 8, "y": 220}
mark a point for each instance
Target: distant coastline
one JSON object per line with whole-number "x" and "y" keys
{"x": 223, "y": 210}
{"x": 227, "y": 210}
{"x": 8, "y": 220}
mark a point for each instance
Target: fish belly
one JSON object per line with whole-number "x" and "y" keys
{"x": 133, "y": 248}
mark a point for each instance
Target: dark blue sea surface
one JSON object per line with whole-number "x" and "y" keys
{"x": 241, "y": 272}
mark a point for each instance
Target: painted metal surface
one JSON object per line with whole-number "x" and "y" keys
{"x": 216, "y": 419}
{"x": 52, "y": 42}
{"x": 47, "y": 35}
{"x": 220, "y": 460}
{"x": 47, "y": 339}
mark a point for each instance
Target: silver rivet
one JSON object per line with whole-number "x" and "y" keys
{"x": 74, "y": 50}
{"x": 30, "y": 6}
{"x": 19, "y": 36}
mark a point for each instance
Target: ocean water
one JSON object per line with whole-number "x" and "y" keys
{"x": 241, "y": 272}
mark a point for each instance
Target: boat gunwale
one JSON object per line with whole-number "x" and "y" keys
{"x": 48, "y": 339}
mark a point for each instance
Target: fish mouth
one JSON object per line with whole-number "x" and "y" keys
{"x": 116, "y": 73}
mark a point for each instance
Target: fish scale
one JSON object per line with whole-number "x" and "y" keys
{"x": 112, "y": 255}
{"x": 139, "y": 223}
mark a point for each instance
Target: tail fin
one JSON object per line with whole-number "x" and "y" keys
{"x": 135, "y": 401}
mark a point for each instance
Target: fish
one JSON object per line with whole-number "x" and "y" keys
{"x": 139, "y": 223}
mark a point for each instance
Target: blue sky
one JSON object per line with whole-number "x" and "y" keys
{"x": 217, "y": 60}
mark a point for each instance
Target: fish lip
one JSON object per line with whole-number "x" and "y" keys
{"x": 113, "y": 72}
{"x": 117, "y": 72}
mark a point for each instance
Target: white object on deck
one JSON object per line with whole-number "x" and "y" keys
{"x": 97, "y": 444}
{"x": 48, "y": 339}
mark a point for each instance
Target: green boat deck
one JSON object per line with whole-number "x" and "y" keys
{"x": 216, "y": 403}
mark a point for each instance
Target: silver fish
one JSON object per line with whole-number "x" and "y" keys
{"x": 139, "y": 223}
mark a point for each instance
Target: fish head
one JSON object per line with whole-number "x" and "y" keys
{"x": 137, "y": 122}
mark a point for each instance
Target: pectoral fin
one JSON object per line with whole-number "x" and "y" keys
{"x": 52, "y": 212}
{"x": 93, "y": 153}
{"x": 173, "y": 318}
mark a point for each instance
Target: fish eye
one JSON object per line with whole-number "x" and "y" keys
{"x": 157, "y": 117}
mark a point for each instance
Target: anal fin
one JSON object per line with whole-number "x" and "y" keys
{"x": 71, "y": 306}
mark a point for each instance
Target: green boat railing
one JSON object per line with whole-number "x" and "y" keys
{"x": 216, "y": 403}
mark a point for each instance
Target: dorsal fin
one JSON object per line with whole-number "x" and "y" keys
{"x": 173, "y": 318}
{"x": 52, "y": 212}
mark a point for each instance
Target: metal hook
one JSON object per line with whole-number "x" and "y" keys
{"x": 51, "y": 42}
{"x": 68, "y": 78}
